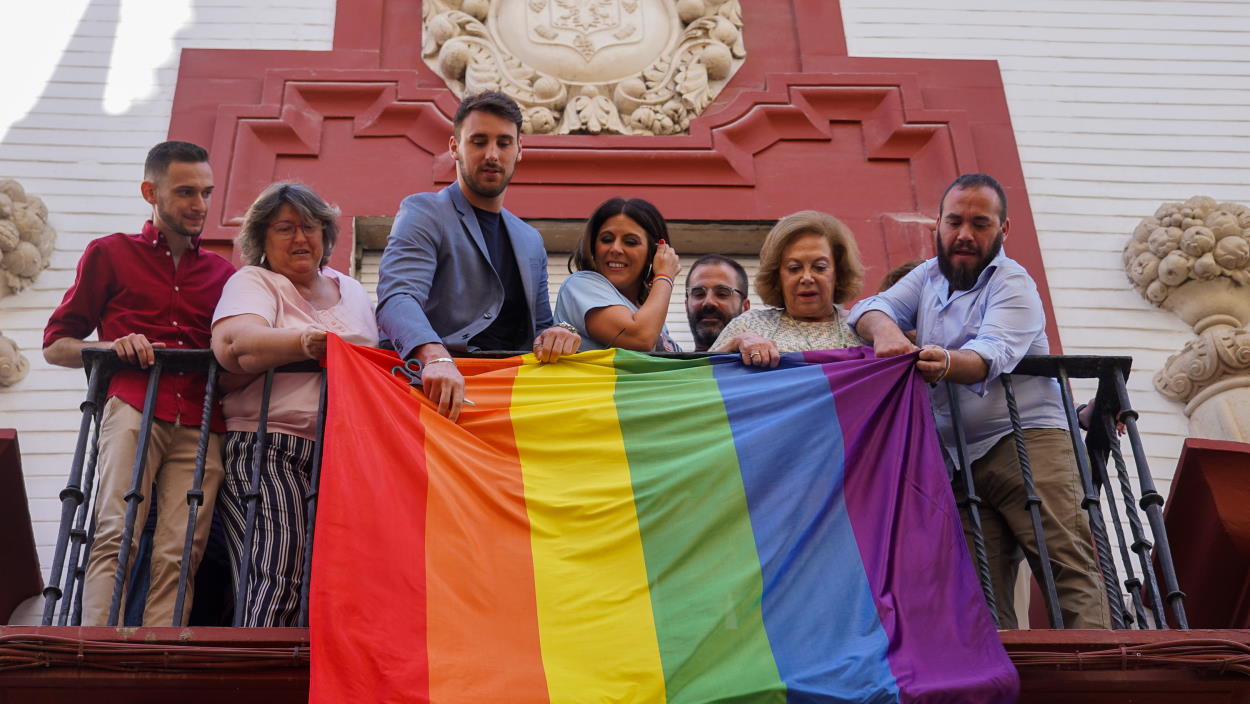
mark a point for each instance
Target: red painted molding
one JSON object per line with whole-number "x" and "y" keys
{"x": 270, "y": 665}
{"x": 1208, "y": 523}
{"x": 21, "y": 577}
{"x": 801, "y": 125}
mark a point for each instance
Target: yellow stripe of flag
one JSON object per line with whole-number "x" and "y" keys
{"x": 595, "y": 619}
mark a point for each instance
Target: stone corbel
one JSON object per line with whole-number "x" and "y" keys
{"x": 1193, "y": 258}
{"x": 13, "y": 364}
{"x": 26, "y": 240}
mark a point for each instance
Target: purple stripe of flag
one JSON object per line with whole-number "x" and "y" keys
{"x": 943, "y": 644}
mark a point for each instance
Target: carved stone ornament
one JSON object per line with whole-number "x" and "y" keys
{"x": 13, "y": 364}
{"x": 26, "y": 240}
{"x": 642, "y": 67}
{"x": 1198, "y": 240}
{"x": 1193, "y": 258}
{"x": 1218, "y": 352}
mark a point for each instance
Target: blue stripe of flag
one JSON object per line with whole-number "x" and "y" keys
{"x": 792, "y": 472}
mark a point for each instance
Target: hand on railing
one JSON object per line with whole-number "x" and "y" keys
{"x": 1085, "y": 414}
{"x": 134, "y": 349}
{"x": 313, "y": 342}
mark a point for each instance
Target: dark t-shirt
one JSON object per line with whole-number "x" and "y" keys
{"x": 512, "y": 328}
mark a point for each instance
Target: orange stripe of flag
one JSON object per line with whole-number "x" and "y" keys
{"x": 482, "y": 620}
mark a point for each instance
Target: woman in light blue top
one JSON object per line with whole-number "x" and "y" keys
{"x": 618, "y": 296}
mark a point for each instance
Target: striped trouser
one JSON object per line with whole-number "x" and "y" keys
{"x": 276, "y": 560}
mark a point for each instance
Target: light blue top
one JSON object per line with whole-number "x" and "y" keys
{"x": 1001, "y": 319}
{"x": 585, "y": 291}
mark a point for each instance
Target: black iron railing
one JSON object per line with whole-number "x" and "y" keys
{"x": 65, "y": 584}
{"x": 63, "y": 595}
{"x": 1111, "y": 409}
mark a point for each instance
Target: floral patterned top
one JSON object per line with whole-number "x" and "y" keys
{"x": 789, "y": 334}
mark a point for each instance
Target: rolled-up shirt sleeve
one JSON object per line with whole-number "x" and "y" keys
{"x": 1012, "y": 319}
{"x": 82, "y": 308}
{"x": 901, "y": 302}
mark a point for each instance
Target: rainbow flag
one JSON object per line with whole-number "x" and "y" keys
{"x": 621, "y": 528}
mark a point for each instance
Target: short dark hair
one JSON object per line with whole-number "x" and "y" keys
{"x": 491, "y": 101}
{"x": 310, "y": 206}
{"x": 637, "y": 209}
{"x": 967, "y": 181}
{"x": 739, "y": 272}
{"x": 163, "y": 154}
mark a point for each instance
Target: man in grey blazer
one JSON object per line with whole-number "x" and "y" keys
{"x": 460, "y": 272}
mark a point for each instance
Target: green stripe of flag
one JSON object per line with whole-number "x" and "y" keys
{"x": 700, "y": 552}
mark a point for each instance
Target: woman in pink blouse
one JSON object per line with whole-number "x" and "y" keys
{"x": 276, "y": 310}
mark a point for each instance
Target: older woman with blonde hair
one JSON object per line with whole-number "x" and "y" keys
{"x": 809, "y": 266}
{"x": 276, "y": 310}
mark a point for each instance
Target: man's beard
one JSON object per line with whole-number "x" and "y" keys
{"x": 703, "y": 335}
{"x": 964, "y": 278}
{"x": 173, "y": 226}
{"x": 484, "y": 191}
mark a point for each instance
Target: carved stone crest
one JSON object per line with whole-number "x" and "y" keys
{"x": 589, "y": 66}
{"x": 586, "y": 26}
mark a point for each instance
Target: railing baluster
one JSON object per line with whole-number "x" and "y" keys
{"x": 1092, "y": 506}
{"x": 76, "y": 615}
{"x": 80, "y": 541}
{"x": 252, "y": 497}
{"x": 310, "y": 502}
{"x": 1152, "y": 504}
{"x": 973, "y": 502}
{"x": 195, "y": 495}
{"x": 134, "y": 497}
{"x": 1032, "y": 504}
{"x": 1131, "y": 582}
{"x": 72, "y": 495}
{"x": 1141, "y": 544}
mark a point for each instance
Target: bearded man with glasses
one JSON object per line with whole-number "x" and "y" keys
{"x": 716, "y": 292}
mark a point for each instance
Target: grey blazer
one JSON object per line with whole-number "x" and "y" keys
{"x": 436, "y": 282}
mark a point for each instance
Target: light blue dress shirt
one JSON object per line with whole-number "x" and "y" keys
{"x": 1001, "y": 319}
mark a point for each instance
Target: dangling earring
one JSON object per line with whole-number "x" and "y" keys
{"x": 263, "y": 263}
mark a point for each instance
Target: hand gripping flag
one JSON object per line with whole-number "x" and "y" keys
{"x": 621, "y": 528}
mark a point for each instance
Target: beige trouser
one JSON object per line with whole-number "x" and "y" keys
{"x": 171, "y": 464}
{"x": 1008, "y": 529}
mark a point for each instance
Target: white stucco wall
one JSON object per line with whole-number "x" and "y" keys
{"x": 89, "y": 87}
{"x": 1118, "y": 105}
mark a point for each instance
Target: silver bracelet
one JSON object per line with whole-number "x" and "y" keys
{"x": 436, "y": 360}
{"x": 568, "y": 327}
{"x": 945, "y": 370}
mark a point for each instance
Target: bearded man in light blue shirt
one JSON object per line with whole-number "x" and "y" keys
{"x": 976, "y": 313}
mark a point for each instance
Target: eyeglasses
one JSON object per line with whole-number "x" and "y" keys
{"x": 720, "y": 293}
{"x": 287, "y": 229}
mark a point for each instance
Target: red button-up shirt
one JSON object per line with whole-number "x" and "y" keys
{"x": 127, "y": 284}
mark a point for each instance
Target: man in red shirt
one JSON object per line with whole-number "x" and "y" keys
{"x": 156, "y": 289}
